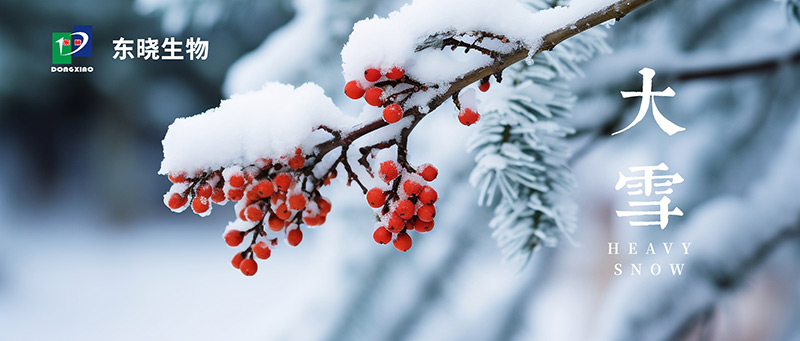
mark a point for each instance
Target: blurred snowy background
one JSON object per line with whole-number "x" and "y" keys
{"x": 89, "y": 252}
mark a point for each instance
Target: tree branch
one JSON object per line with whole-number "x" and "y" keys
{"x": 614, "y": 11}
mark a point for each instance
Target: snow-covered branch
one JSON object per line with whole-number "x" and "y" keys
{"x": 272, "y": 151}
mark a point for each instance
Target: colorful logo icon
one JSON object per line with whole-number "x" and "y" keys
{"x": 77, "y": 43}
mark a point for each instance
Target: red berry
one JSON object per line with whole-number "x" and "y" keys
{"x": 297, "y": 202}
{"x": 277, "y": 198}
{"x": 324, "y": 205}
{"x": 177, "y": 177}
{"x": 376, "y": 198}
{"x": 254, "y": 213}
{"x": 395, "y": 73}
{"x": 428, "y": 172}
{"x": 275, "y": 223}
{"x": 283, "y": 212}
{"x": 233, "y": 238}
{"x": 392, "y": 113}
{"x": 353, "y": 90}
{"x": 294, "y": 237}
{"x": 372, "y": 75}
{"x": 484, "y": 87}
{"x": 297, "y": 162}
{"x": 404, "y": 209}
{"x": 235, "y": 194}
{"x": 382, "y": 235}
{"x": 252, "y": 195}
{"x": 468, "y": 117}
{"x": 402, "y": 242}
{"x": 283, "y": 181}
{"x": 200, "y": 205}
{"x": 264, "y": 189}
{"x": 236, "y": 180}
{"x": 388, "y": 171}
{"x": 426, "y": 213}
{"x": 218, "y": 195}
{"x": 204, "y": 190}
{"x": 423, "y": 226}
{"x": 261, "y": 250}
{"x": 237, "y": 260}
{"x": 176, "y": 201}
{"x": 395, "y": 224}
{"x": 242, "y": 215}
{"x": 373, "y": 97}
{"x": 412, "y": 188}
{"x": 315, "y": 220}
{"x": 248, "y": 267}
{"x": 428, "y": 195}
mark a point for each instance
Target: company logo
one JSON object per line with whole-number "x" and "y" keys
{"x": 77, "y": 43}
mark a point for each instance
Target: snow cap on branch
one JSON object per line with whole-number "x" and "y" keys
{"x": 270, "y": 122}
{"x": 393, "y": 41}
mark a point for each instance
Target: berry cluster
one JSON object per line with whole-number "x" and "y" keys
{"x": 408, "y": 206}
{"x": 377, "y": 84}
{"x": 373, "y": 93}
{"x": 273, "y": 200}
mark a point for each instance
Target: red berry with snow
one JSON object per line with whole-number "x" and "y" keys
{"x": 324, "y": 205}
{"x": 297, "y": 162}
{"x": 428, "y": 172}
{"x": 204, "y": 190}
{"x": 236, "y": 180}
{"x": 388, "y": 171}
{"x": 426, "y": 213}
{"x": 353, "y": 90}
{"x": 395, "y": 224}
{"x": 376, "y": 198}
{"x": 233, "y": 238}
{"x": 297, "y": 202}
{"x": 468, "y": 117}
{"x": 176, "y": 201}
{"x": 373, "y": 97}
{"x": 235, "y": 194}
{"x": 264, "y": 189}
{"x": 395, "y": 73}
{"x": 282, "y": 212}
{"x": 177, "y": 177}
{"x": 314, "y": 220}
{"x": 275, "y": 223}
{"x": 237, "y": 260}
{"x": 423, "y": 226}
{"x": 412, "y": 188}
{"x": 484, "y": 87}
{"x": 392, "y": 113}
{"x": 200, "y": 205}
{"x": 283, "y": 181}
{"x": 382, "y": 235}
{"x": 428, "y": 195}
{"x": 218, "y": 195}
{"x": 294, "y": 237}
{"x": 248, "y": 267}
{"x": 372, "y": 74}
{"x": 254, "y": 213}
{"x": 261, "y": 250}
{"x": 252, "y": 195}
{"x": 404, "y": 209}
{"x": 402, "y": 242}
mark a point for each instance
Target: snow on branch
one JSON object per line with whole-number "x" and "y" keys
{"x": 272, "y": 151}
